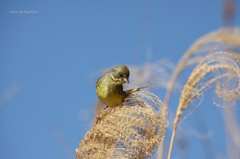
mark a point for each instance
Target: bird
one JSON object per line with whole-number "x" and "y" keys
{"x": 109, "y": 87}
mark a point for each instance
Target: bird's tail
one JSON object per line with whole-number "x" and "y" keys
{"x": 130, "y": 91}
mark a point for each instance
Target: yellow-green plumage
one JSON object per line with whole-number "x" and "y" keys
{"x": 109, "y": 93}
{"x": 109, "y": 87}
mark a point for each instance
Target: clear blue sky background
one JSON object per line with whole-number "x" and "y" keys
{"x": 48, "y": 60}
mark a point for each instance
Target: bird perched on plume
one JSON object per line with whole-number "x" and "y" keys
{"x": 109, "y": 87}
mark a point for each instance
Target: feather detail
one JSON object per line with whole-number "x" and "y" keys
{"x": 130, "y": 91}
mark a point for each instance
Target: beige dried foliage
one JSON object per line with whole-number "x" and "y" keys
{"x": 132, "y": 130}
{"x": 214, "y": 41}
{"x": 218, "y": 70}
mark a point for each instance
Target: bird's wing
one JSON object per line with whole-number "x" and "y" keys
{"x": 130, "y": 91}
{"x": 98, "y": 82}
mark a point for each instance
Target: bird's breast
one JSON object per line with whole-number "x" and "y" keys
{"x": 110, "y": 94}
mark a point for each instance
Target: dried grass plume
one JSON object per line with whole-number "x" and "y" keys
{"x": 219, "y": 71}
{"x": 132, "y": 130}
{"x": 199, "y": 49}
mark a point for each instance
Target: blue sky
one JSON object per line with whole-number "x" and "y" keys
{"x": 50, "y": 60}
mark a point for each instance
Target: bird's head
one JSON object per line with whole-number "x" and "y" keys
{"x": 119, "y": 74}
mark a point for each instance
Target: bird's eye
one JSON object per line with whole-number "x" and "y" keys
{"x": 121, "y": 75}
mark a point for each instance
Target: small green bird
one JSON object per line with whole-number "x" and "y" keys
{"x": 109, "y": 87}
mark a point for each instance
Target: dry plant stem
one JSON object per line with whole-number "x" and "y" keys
{"x": 171, "y": 143}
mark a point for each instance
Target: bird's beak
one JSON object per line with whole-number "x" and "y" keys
{"x": 126, "y": 80}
